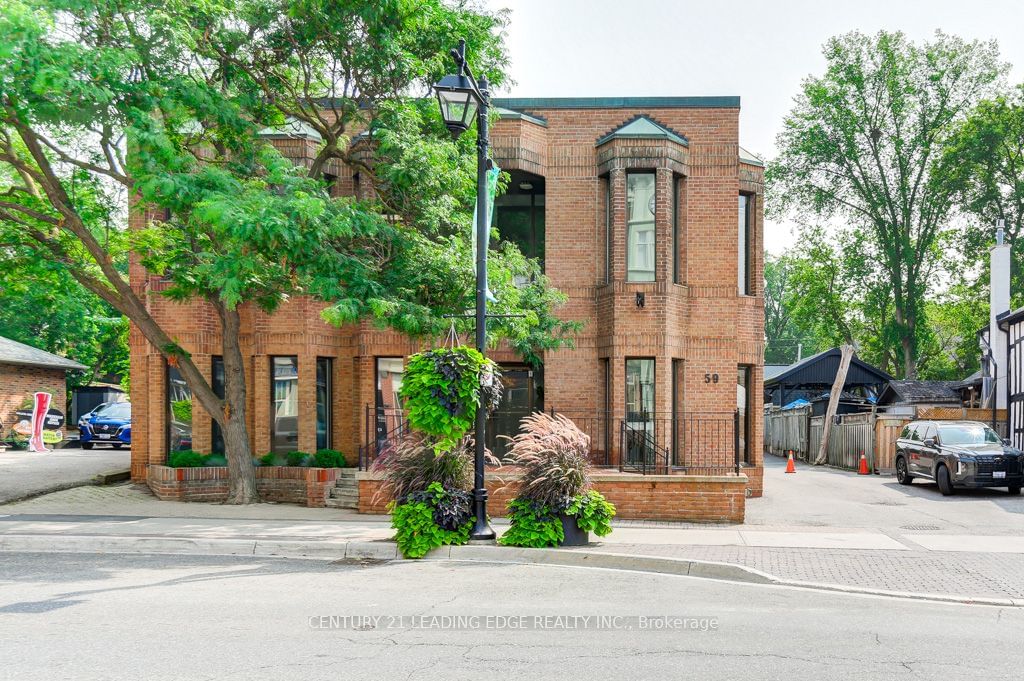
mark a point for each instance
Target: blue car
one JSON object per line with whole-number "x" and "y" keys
{"x": 111, "y": 425}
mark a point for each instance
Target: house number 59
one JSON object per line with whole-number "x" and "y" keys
{"x": 711, "y": 378}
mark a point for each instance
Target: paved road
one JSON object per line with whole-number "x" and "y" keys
{"x": 822, "y": 497}
{"x": 143, "y": 618}
{"x": 25, "y": 473}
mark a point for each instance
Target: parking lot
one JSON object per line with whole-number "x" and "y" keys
{"x": 24, "y": 474}
{"x": 824, "y": 497}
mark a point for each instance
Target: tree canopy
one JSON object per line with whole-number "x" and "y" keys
{"x": 172, "y": 103}
{"x": 862, "y": 159}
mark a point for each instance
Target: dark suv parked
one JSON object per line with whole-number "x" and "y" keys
{"x": 957, "y": 454}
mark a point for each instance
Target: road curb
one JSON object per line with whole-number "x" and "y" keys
{"x": 387, "y": 550}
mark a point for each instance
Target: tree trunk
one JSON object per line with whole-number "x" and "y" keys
{"x": 833, "y": 403}
{"x": 241, "y": 471}
{"x": 909, "y": 360}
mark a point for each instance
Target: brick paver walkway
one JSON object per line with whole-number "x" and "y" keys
{"x": 980, "y": 575}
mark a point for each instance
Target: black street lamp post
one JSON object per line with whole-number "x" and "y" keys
{"x": 462, "y": 97}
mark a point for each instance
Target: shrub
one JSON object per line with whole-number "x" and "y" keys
{"x": 272, "y": 459}
{"x": 412, "y": 465}
{"x": 184, "y": 458}
{"x": 329, "y": 458}
{"x": 215, "y": 460}
{"x": 553, "y": 456}
{"x": 534, "y": 525}
{"x": 417, "y": 530}
{"x": 297, "y": 458}
{"x": 441, "y": 390}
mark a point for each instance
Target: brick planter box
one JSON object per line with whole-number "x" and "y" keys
{"x": 281, "y": 484}
{"x": 693, "y": 498}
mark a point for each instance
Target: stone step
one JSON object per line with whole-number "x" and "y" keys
{"x": 331, "y": 502}
{"x": 338, "y": 494}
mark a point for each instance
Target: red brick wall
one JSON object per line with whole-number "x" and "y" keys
{"x": 279, "y": 484}
{"x": 18, "y": 384}
{"x": 712, "y": 499}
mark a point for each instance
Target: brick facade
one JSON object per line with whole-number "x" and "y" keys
{"x": 695, "y": 325}
{"x": 18, "y": 383}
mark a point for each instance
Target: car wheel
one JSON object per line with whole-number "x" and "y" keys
{"x": 1014, "y": 490}
{"x": 903, "y": 476}
{"x": 86, "y": 445}
{"x": 945, "y": 482}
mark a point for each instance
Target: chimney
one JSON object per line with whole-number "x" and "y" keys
{"x": 999, "y": 302}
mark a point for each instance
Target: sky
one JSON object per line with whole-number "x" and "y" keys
{"x": 760, "y": 51}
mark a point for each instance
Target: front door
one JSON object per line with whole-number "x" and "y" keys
{"x": 519, "y": 398}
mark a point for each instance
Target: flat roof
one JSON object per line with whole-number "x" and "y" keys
{"x": 716, "y": 102}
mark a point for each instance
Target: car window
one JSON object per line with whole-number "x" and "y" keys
{"x": 929, "y": 432}
{"x": 964, "y": 434}
{"x": 905, "y": 434}
{"x": 121, "y": 410}
{"x": 915, "y": 432}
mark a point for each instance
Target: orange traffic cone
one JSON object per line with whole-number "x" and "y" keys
{"x": 863, "y": 465}
{"x": 790, "y": 465}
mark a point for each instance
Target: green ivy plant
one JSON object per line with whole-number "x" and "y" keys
{"x": 441, "y": 390}
{"x": 534, "y": 525}
{"x": 593, "y": 512}
{"x": 416, "y": 521}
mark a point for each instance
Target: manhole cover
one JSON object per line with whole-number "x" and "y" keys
{"x": 919, "y": 528}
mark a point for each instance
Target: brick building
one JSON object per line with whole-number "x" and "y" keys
{"x": 646, "y": 212}
{"x": 24, "y": 371}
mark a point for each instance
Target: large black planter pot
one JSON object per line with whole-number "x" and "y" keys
{"x": 574, "y": 536}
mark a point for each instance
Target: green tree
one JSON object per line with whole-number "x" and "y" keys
{"x": 42, "y": 305}
{"x": 166, "y": 102}
{"x": 986, "y": 160}
{"x": 864, "y": 144}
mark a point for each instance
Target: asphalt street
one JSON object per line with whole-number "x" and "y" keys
{"x": 80, "y": 616}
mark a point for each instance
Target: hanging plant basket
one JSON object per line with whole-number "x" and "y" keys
{"x": 442, "y": 388}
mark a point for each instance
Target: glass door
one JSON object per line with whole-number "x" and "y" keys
{"x": 639, "y": 423}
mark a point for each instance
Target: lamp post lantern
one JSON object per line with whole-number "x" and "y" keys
{"x": 461, "y": 98}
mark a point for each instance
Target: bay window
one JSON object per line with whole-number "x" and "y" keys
{"x": 640, "y": 231}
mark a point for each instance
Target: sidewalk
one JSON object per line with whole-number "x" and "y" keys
{"x": 122, "y": 518}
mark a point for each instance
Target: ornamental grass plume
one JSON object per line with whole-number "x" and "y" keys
{"x": 411, "y": 465}
{"x": 553, "y": 454}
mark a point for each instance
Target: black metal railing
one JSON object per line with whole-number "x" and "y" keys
{"x": 648, "y": 444}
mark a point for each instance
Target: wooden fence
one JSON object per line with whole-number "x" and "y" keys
{"x": 874, "y": 434}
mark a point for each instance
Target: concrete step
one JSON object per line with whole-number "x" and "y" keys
{"x": 331, "y": 502}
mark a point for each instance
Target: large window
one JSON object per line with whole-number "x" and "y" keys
{"x": 284, "y": 404}
{"x": 677, "y": 277}
{"x": 743, "y": 396}
{"x": 606, "y": 187}
{"x": 217, "y": 383}
{"x": 519, "y": 214}
{"x": 640, "y": 210}
{"x": 324, "y": 408}
{"x": 179, "y": 411}
{"x": 746, "y": 211}
{"x": 639, "y": 390}
{"x": 390, "y": 420}
{"x": 678, "y": 405}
